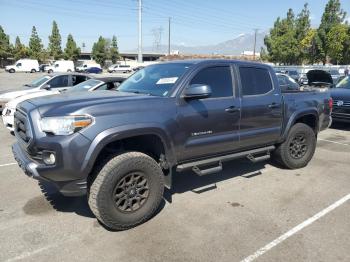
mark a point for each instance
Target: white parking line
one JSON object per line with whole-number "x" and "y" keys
{"x": 333, "y": 142}
{"x": 9, "y": 164}
{"x": 296, "y": 229}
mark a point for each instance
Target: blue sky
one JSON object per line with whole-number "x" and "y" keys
{"x": 194, "y": 22}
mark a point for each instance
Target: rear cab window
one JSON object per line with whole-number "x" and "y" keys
{"x": 255, "y": 81}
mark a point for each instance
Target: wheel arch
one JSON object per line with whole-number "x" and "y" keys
{"x": 309, "y": 117}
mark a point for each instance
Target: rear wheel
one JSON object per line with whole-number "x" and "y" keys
{"x": 50, "y": 71}
{"x": 33, "y": 71}
{"x": 298, "y": 149}
{"x": 127, "y": 190}
{"x": 69, "y": 70}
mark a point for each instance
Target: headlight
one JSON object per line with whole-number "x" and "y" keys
{"x": 64, "y": 125}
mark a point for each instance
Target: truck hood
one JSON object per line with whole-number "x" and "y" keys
{"x": 340, "y": 94}
{"x": 80, "y": 102}
{"x": 318, "y": 77}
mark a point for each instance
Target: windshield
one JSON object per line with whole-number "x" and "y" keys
{"x": 345, "y": 83}
{"x": 157, "y": 80}
{"x": 38, "y": 82}
{"x": 85, "y": 86}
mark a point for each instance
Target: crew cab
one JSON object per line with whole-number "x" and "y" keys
{"x": 121, "y": 148}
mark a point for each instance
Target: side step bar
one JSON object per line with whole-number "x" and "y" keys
{"x": 250, "y": 154}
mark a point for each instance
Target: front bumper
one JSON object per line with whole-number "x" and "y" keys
{"x": 40, "y": 171}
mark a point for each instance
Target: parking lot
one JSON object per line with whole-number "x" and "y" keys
{"x": 247, "y": 212}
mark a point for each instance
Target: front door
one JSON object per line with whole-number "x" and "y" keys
{"x": 210, "y": 125}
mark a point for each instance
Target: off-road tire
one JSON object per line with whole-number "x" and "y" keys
{"x": 284, "y": 154}
{"x": 108, "y": 176}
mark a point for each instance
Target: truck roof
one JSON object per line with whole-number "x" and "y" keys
{"x": 203, "y": 61}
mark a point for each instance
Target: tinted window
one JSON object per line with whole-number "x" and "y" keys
{"x": 282, "y": 80}
{"x": 77, "y": 79}
{"x": 255, "y": 81}
{"x": 59, "y": 81}
{"x": 218, "y": 78}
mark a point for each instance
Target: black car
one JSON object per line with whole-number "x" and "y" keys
{"x": 341, "y": 100}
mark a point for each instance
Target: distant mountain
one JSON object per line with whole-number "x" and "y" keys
{"x": 244, "y": 42}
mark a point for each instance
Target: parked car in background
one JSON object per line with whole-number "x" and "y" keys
{"x": 318, "y": 79}
{"x": 111, "y": 67}
{"x": 61, "y": 66}
{"x": 137, "y": 68}
{"x": 120, "y": 69}
{"x": 341, "y": 98}
{"x": 24, "y": 65}
{"x": 42, "y": 67}
{"x": 93, "y": 84}
{"x": 334, "y": 74}
{"x": 85, "y": 65}
{"x": 10, "y": 107}
{"x": 120, "y": 148}
{"x": 47, "y": 82}
{"x": 93, "y": 70}
{"x": 98, "y": 83}
{"x": 293, "y": 74}
{"x": 287, "y": 83}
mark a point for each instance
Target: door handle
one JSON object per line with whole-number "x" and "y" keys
{"x": 274, "y": 105}
{"x": 231, "y": 109}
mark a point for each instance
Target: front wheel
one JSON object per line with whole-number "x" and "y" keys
{"x": 298, "y": 149}
{"x": 33, "y": 71}
{"x": 50, "y": 71}
{"x": 127, "y": 190}
{"x": 12, "y": 70}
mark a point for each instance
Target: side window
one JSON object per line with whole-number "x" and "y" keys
{"x": 59, "y": 81}
{"x": 19, "y": 64}
{"x": 77, "y": 79}
{"x": 282, "y": 80}
{"x": 218, "y": 78}
{"x": 255, "y": 81}
{"x": 103, "y": 87}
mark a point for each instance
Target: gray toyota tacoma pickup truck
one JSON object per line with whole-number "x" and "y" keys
{"x": 121, "y": 148}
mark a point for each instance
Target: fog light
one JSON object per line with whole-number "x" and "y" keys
{"x": 49, "y": 158}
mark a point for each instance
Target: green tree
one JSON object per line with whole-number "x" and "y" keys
{"x": 100, "y": 50}
{"x": 35, "y": 46}
{"x": 71, "y": 51}
{"x": 281, "y": 43}
{"x": 302, "y": 28}
{"x": 113, "y": 51}
{"x": 346, "y": 50}
{"x": 335, "y": 42}
{"x": 20, "y": 50}
{"x": 5, "y": 47}
{"x": 333, "y": 15}
{"x": 308, "y": 46}
{"x": 55, "y": 42}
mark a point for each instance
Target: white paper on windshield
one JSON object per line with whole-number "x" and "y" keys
{"x": 167, "y": 80}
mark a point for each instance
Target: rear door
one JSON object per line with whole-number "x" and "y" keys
{"x": 261, "y": 117}
{"x": 210, "y": 125}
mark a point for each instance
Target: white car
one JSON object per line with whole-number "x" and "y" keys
{"x": 24, "y": 65}
{"x": 10, "y": 108}
{"x": 120, "y": 69}
{"x": 48, "y": 82}
{"x": 60, "y": 67}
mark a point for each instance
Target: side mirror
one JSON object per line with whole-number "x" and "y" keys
{"x": 47, "y": 87}
{"x": 197, "y": 91}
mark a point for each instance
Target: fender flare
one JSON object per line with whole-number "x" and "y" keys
{"x": 127, "y": 131}
{"x": 298, "y": 114}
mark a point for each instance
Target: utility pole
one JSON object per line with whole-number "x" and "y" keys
{"x": 140, "y": 31}
{"x": 255, "y": 32}
{"x": 169, "y": 36}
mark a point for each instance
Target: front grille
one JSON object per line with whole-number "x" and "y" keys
{"x": 22, "y": 127}
{"x": 341, "y": 103}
